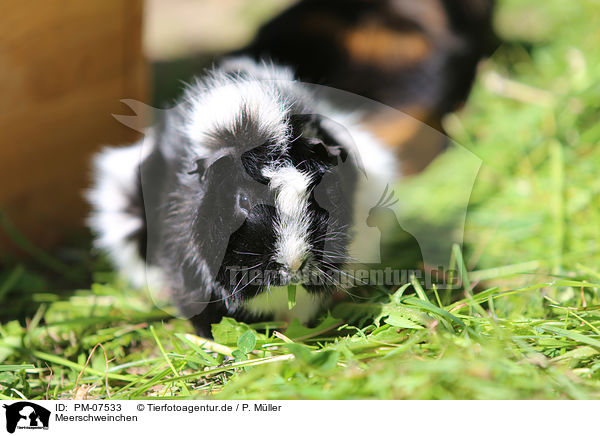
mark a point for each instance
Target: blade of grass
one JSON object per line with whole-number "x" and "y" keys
{"x": 162, "y": 350}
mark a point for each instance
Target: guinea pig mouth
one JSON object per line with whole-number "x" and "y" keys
{"x": 287, "y": 278}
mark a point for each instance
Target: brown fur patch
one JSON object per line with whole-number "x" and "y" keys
{"x": 373, "y": 44}
{"x": 415, "y": 143}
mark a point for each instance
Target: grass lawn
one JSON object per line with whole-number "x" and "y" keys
{"x": 524, "y": 325}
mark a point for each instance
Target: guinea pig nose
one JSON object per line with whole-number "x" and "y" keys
{"x": 297, "y": 264}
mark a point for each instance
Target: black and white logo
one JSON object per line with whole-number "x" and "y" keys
{"x": 26, "y": 416}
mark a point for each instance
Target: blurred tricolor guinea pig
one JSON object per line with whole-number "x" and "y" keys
{"x": 251, "y": 183}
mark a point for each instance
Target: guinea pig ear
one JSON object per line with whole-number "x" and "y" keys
{"x": 315, "y": 129}
{"x": 213, "y": 165}
{"x": 340, "y": 142}
{"x": 335, "y": 150}
{"x": 200, "y": 168}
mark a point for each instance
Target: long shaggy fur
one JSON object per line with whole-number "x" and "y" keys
{"x": 249, "y": 173}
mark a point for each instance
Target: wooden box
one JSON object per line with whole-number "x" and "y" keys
{"x": 64, "y": 66}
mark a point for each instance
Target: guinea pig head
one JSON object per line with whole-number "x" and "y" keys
{"x": 274, "y": 214}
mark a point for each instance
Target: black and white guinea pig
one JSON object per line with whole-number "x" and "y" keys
{"x": 250, "y": 183}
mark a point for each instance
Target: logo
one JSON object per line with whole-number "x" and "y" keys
{"x": 26, "y": 415}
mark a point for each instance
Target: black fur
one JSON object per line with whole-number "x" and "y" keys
{"x": 309, "y": 37}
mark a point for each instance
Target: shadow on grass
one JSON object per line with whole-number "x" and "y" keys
{"x": 30, "y": 276}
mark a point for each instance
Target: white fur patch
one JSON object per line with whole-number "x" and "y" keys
{"x": 263, "y": 91}
{"x": 115, "y": 184}
{"x": 222, "y": 106}
{"x": 380, "y": 167}
{"x": 293, "y": 218}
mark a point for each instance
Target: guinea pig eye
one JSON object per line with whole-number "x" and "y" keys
{"x": 244, "y": 202}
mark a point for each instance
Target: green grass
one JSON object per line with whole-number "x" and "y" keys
{"x": 526, "y": 324}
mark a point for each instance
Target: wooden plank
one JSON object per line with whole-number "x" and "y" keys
{"x": 64, "y": 66}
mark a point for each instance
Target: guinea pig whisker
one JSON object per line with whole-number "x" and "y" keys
{"x": 250, "y": 267}
{"x": 323, "y": 273}
{"x": 336, "y": 268}
{"x": 246, "y": 253}
{"x": 229, "y": 296}
{"x": 335, "y": 254}
{"x": 332, "y": 233}
{"x": 337, "y": 236}
{"x": 237, "y": 285}
{"x": 296, "y": 138}
{"x": 342, "y": 288}
{"x": 347, "y": 275}
{"x": 350, "y": 276}
{"x": 237, "y": 291}
{"x": 335, "y": 257}
{"x": 320, "y": 250}
{"x": 346, "y": 291}
{"x": 259, "y": 289}
{"x": 333, "y": 281}
{"x": 353, "y": 296}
